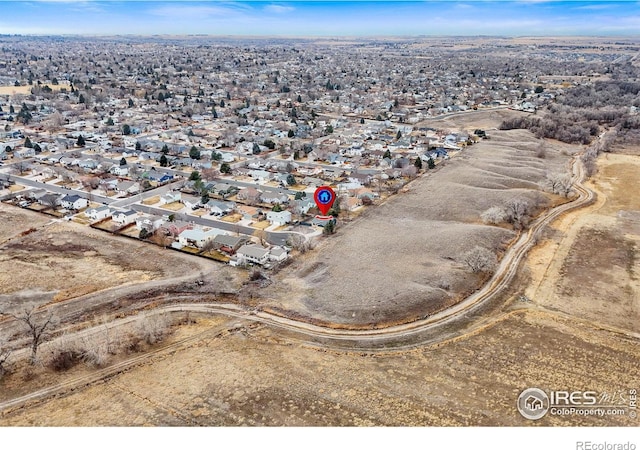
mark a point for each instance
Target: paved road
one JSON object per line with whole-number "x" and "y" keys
{"x": 60, "y": 190}
{"x": 273, "y": 237}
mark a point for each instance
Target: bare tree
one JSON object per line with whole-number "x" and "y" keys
{"x": 50, "y": 200}
{"x": 541, "y": 151}
{"x": 5, "y": 352}
{"x": 559, "y": 183}
{"x": 517, "y": 212}
{"x": 494, "y": 215}
{"x": 21, "y": 167}
{"x": 300, "y": 243}
{"x": 95, "y": 351}
{"x": 480, "y": 259}
{"x": 38, "y": 325}
{"x": 152, "y": 329}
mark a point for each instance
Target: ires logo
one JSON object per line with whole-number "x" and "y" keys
{"x": 575, "y": 398}
{"x": 534, "y": 403}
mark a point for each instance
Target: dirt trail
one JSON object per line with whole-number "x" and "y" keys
{"x": 589, "y": 268}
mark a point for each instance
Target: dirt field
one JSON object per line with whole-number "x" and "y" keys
{"x": 403, "y": 259}
{"x": 254, "y": 377}
{"x": 591, "y": 267}
{"x": 67, "y": 260}
{"x": 16, "y": 220}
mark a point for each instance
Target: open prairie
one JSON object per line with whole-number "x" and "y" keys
{"x": 53, "y": 260}
{"x": 590, "y": 267}
{"x": 256, "y": 376}
{"x": 404, "y": 259}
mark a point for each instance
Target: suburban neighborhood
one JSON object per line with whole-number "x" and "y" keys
{"x": 184, "y": 153}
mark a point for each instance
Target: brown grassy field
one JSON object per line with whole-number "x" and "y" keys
{"x": 254, "y": 376}
{"x": 590, "y": 268}
{"x": 67, "y": 259}
{"x": 404, "y": 258}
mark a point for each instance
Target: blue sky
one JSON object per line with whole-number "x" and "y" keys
{"x": 322, "y": 18}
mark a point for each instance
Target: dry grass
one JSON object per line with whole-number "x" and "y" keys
{"x": 253, "y": 377}
{"x": 386, "y": 265}
{"x": 74, "y": 260}
{"x": 17, "y": 220}
{"x": 151, "y": 200}
{"x": 232, "y": 218}
{"x": 175, "y": 206}
{"x": 590, "y": 270}
{"x": 261, "y": 225}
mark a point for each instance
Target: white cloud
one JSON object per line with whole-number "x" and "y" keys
{"x": 195, "y": 11}
{"x": 278, "y": 9}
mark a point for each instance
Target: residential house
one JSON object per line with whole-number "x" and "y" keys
{"x": 149, "y": 223}
{"x": 124, "y": 217}
{"x": 99, "y": 213}
{"x": 261, "y": 176}
{"x": 88, "y": 164}
{"x": 249, "y": 195}
{"x": 303, "y": 205}
{"x": 332, "y": 172}
{"x": 229, "y": 244}
{"x": 251, "y": 253}
{"x": 218, "y": 208}
{"x": 121, "y": 171}
{"x": 362, "y": 193}
{"x": 313, "y": 182}
{"x": 128, "y": 187}
{"x": 48, "y": 199}
{"x": 351, "y": 203}
{"x": 249, "y": 212}
{"x": 25, "y": 152}
{"x": 175, "y": 228}
{"x": 170, "y": 197}
{"x": 274, "y": 198}
{"x": 197, "y": 237}
{"x": 109, "y": 184}
{"x": 360, "y": 178}
{"x": 74, "y": 201}
{"x": 278, "y": 254}
{"x": 190, "y": 201}
{"x": 279, "y": 217}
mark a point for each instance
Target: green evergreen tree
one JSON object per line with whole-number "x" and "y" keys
{"x": 163, "y": 160}
{"x": 431, "y": 163}
{"x": 194, "y": 153}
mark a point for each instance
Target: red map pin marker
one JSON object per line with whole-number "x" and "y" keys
{"x": 324, "y": 197}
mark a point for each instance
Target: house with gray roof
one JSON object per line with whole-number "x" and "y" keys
{"x": 252, "y": 254}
